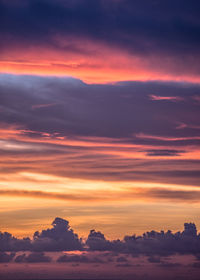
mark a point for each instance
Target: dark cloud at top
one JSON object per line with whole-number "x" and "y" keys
{"x": 138, "y": 26}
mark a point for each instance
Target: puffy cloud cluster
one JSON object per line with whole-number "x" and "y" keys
{"x": 151, "y": 243}
{"x": 11, "y": 243}
{"x": 97, "y": 241}
{"x": 59, "y": 238}
{"x": 62, "y": 238}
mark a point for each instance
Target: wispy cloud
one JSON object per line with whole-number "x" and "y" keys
{"x": 124, "y": 194}
{"x": 165, "y": 98}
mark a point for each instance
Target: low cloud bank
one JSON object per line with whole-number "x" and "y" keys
{"x": 62, "y": 238}
{"x": 59, "y": 238}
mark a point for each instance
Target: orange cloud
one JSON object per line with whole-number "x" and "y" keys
{"x": 128, "y": 194}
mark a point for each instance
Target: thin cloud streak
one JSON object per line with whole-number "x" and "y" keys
{"x": 144, "y": 194}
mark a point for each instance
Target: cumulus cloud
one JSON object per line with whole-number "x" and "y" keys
{"x": 11, "y": 243}
{"x": 62, "y": 238}
{"x": 154, "y": 243}
{"x": 97, "y": 241}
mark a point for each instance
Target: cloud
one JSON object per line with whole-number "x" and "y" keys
{"x": 94, "y": 21}
{"x": 6, "y": 258}
{"x": 33, "y": 258}
{"x": 121, "y": 259}
{"x": 154, "y": 259}
{"x": 124, "y": 265}
{"x": 137, "y": 42}
{"x": 196, "y": 265}
{"x": 49, "y": 195}
{"x": 169, "y": 265}
{"x": 80, "y": 131}
{"x": 10, "y": 243}
{"x": 39, "y": 106}
{"x": 97, "y": 242}
{"x": 165, "y": 98}
{"x": 151, "y": 243}
{"x": 79, "y": 259}
{"x": 61, "y": 238}
{"x": 164, "y": 152}
{"x": 164, "y": 243}
{"x": 144, "y": 194}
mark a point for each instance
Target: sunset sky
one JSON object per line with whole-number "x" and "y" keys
{"x": 99, "y": 115}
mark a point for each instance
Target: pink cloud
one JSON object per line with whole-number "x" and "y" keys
{"x": 167, "y": 98}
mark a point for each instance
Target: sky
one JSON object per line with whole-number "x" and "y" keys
{"x": 99, "y": 115}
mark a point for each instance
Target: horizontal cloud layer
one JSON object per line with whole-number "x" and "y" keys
{"x": 128, "y": 194}
{"x": 66, "y": 128}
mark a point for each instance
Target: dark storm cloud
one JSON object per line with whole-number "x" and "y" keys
{"x": 138, "y": 26}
